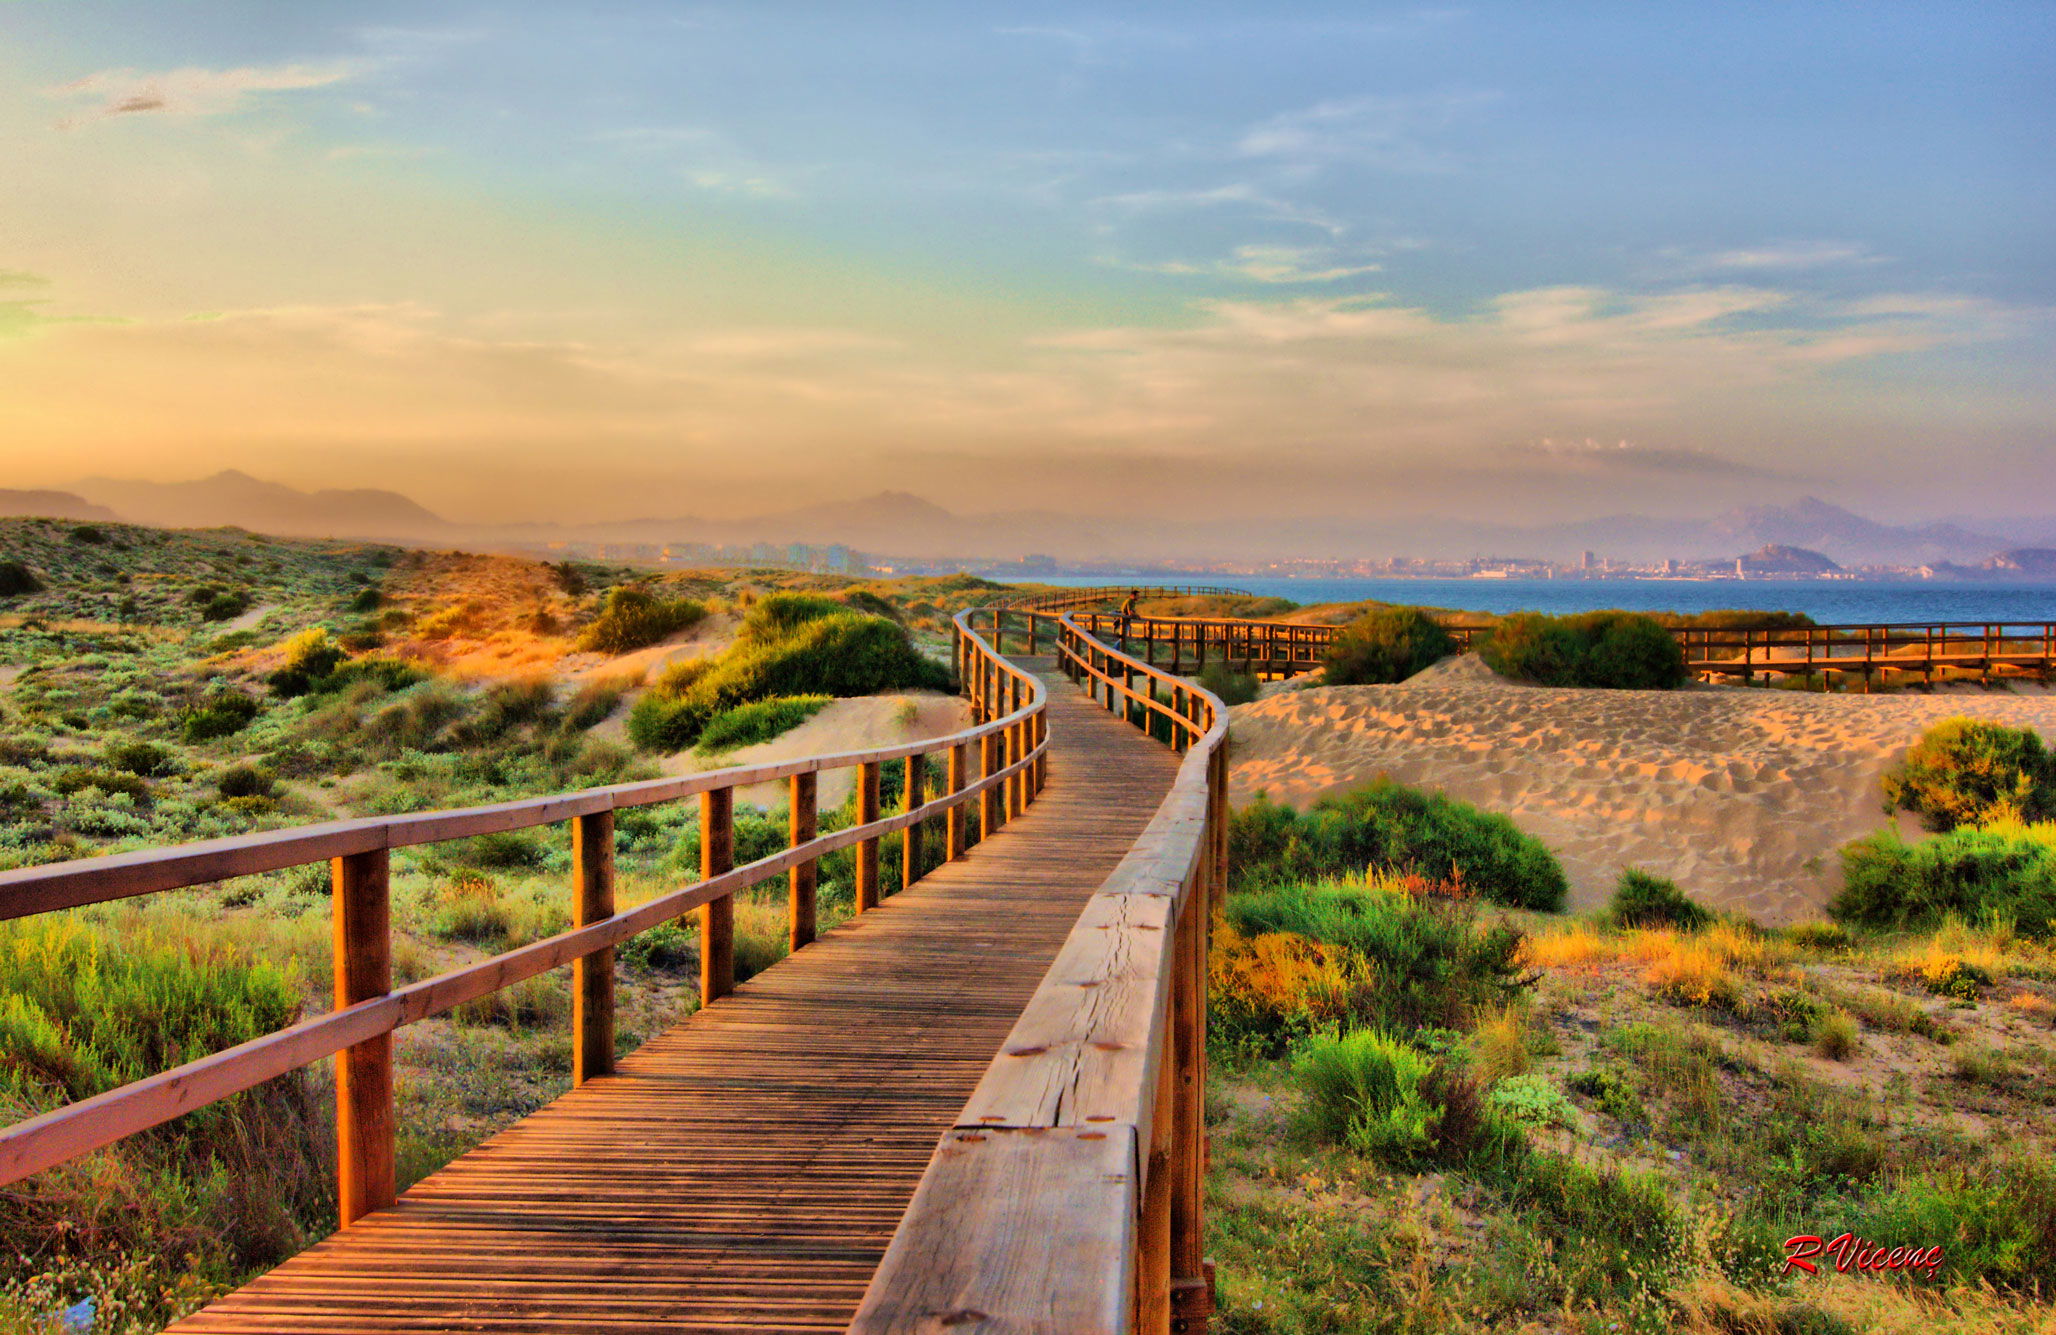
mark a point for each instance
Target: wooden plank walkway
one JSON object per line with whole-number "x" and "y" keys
{"x": 745, "y": 1169}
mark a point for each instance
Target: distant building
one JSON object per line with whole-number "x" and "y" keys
{"x": 1587, "y": 560}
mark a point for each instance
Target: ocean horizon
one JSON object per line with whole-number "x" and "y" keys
{"x": 1830, "y": 602}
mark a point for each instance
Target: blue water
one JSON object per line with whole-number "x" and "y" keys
{"x": 1829, "y": 602}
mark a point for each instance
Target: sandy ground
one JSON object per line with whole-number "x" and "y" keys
{"x": 1740, "y": 795}
{"x": 861, "y": 724}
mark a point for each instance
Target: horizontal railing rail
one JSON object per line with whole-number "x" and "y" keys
{"x": 1068, "y": 1196}
{"x": 1284, "y": 648}
{"x": 1009, "y": 731}
{"x": 1114, "y": 593}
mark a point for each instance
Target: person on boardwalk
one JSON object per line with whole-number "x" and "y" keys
{"x": 1128, "y": 613}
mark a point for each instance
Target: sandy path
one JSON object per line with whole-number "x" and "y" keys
{"x": 1740, "y": 795}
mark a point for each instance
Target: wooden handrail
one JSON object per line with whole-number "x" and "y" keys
{"x": 358, "y": 1031}
{"x": 1067, "y": 1198}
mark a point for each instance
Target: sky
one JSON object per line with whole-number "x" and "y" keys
{"x": 605, "y": 260}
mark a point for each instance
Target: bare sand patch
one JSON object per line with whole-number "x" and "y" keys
{"x": 1740, "y": 795}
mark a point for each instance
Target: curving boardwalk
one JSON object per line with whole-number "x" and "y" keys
{"x": 745, "y": 1170}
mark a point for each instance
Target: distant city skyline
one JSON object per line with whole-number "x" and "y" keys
{"x": 1509, "y": 263}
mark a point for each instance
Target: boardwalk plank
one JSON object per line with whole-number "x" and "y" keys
{"x": 744, "y": 1170}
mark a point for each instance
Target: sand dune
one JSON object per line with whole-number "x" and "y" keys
{"x": 1741, "y": 795}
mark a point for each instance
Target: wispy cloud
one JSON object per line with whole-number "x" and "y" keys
{"x": 1791, "y": 255}
{"x": 194, "y": 91}
{"x": 1392, "y": 133}
{"x": 706, "y": 159}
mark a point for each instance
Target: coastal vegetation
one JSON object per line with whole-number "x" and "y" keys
{"x": 1613, "y": 650}
{"x": 1385, "y": 645}
{"x": 1388, "y": 826}
{"x": 1433, "y": 1113}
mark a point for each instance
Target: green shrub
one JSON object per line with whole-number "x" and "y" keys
{"x": 747, "y": 725}
{"x": 1727, "y": 618}
{"x": 1420, "y": 957}
{"x": 77, "y": 778}
{"x": 2006, "y": 869}
{"x": 504, "y": 849}
{"x": 1386, "y": 644}
{"x": 662, "y": 724}
{"x": 222, "y": 714}
{"x": 1403, "y": 829}
{"x": 143, "y": 758}
{"x": 842, "y": 654}
{"x": 17, "y": 580}
{"x": 1612, "y": 649}
{"x": 224, "y": 605}
{"x": 633, "y": 618}
{"x": 592, "y": 703}
{"x": 777, "y": 615}
{"x": 310, "y": 658}
{"x": 1532, "y": 1101}
{"x": 245, "y": 781}
{"x": 388, "y": 674}
{"x": 1234, "y": 688}
{"x": 1642, "y": 899}
{"x": 1366, "y": 1090}
{"x": 1966, "y": 771}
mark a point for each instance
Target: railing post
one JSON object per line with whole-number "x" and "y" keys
{"x": 958, "y": 817}
{"x": 802, "y": 823}
{"x": 910, "y": 844}
{"x": 592, "y": 976}
{"x": 988, "y": 799}
{"x": 867, "y": 850}
{"x": 366, "y": 1163}
{"x": 717, "y": 917}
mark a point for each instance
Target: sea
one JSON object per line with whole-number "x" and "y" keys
{"x": 1829, "y": 602}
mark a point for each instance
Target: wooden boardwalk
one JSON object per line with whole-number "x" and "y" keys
{"x": 745, "y": 1170}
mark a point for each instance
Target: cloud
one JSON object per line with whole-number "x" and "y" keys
{"x": 706, "y": 159}
{"x": 1259, "y": 263}
{"x": 1236, "y": 195}
{"x": 1392, "y": 133}
{"x": 22, "y": 278}
{"x": 193, "y": 91}
{"x": 1792, "y": 255}
{"x": 1624, "y": 458}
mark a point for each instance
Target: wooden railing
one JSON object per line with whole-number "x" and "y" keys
{"x": 1009, "y": 732}
{"x": 1114, "y": 593}
{"x": 1068, "y": 1196}
{"x": 1284, "y": 648}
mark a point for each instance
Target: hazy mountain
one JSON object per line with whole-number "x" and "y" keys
{"x": 235, "y": 498}
{"x": 1780, "y": 559}
{"x": 53, "y": 505}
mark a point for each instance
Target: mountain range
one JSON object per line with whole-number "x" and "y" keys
{"x": 895, "y": 523}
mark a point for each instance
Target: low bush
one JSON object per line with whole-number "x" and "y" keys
{"x": 1613, "y": 650}
{"x": 223, "y": 713}
{"x": 665, "y": 724}
{"x": 146, "y": 759}
{"x": 245, "y": 781}
{"x": 592, "y": 703}
{"x": 1386, "y": 953}
{"x": 632, "y": 618}
{"x": 843, "y": 654}
{"x": 1996, "y": 1216}
{"x": 2006, "y": 869}
{"x": 1966, "y": 771}
{"x": 310, "y": 658}
{"x": 1234, "y": 688}
{"x": 17, "y": 580}
{"x": 1386, "y": 644}
{"x": 1366, "y": 1090}
{"x": 1642, "y": 899}
{"x": 761, "y": 721}
{"x": 777, "y": 615}
{"x": 78, "y": 778}
{"x": 1385, "y": 825}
